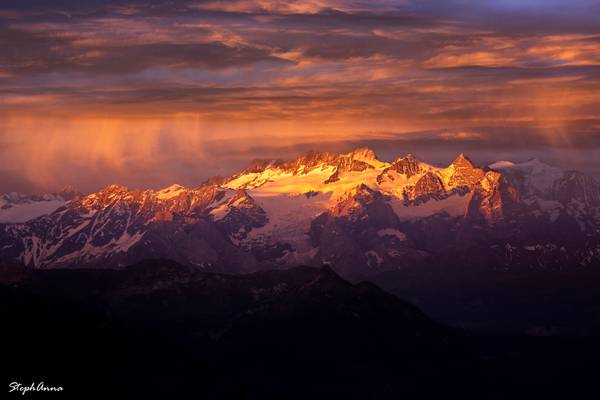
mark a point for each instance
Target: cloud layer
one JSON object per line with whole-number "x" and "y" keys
{"x": 150, "y": 92}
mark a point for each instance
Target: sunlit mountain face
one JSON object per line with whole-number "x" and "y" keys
{"x": 265, "y": 199}
{"x": 351, "y": 211}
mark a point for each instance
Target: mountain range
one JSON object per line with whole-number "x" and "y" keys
{"x": 158, "y": 329}
{"x": 351, "y": 211}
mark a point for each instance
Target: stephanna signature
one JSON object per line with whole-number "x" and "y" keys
{"x": 34, "y": 387}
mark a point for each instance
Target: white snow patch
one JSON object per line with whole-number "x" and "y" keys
{"x": 126, "y": 241}
{"x": 170, "y": 192}
{"x": 19, "y": 213}
{"x": 289, "y": 216}
{"x": 540, "y": 178}
{"x": 257, "y": 179}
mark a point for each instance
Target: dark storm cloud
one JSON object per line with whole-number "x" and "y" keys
{"x": 417, "y": 31}
{"x": 31, "y": 52}
{"x": 26, "y": 53}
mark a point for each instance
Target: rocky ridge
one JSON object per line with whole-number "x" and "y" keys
{"x": 346, "y": 210}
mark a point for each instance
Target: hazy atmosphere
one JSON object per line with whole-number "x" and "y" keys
{"x": 149, "y": 93}
{"x": 292, "y": 200}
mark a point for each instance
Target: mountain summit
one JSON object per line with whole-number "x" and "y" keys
{"x": 351, "y": 211}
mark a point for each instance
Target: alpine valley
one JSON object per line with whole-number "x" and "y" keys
{"x": 357, "y": 214}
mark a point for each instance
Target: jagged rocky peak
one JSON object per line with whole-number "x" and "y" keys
{"x": 428, "y": 184}
{"x": 266, "y": 214}
{"x": 490, "y": 181}
{"x": 348, "y": 164}
{"x": 114, "y": 188}
{"x": 362, "y": 190}
{"x": 242, "y": 215}
{"x": 313, "y": 156}
{"x": 354, "y": 200}
{"x": 171, "y": 191}
{"x": 575, "y": 185}
{"x": 494, "y": 198}
{"x": 358, "y": 159}
{"x": 241, "y": 198}
{"x": 109, "y": 192}
{"x": 362, "y": 154}
{"x": 69, "y": 193}
{"x": 464, "y": 172}
{"x": 307, "y": 161}
{"x": 356, "y": 192}
{"x": 407, "y": 165}
{"x": 174, "y": 187}
{"x": 214, "y": 181}
{"x": 463, "y": 161}
{"x": 259, "y": 165}
{"x": 409, "y": 157}
{"x": 360, "y": 193}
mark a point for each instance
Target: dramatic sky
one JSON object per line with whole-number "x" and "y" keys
{"x": 148, "y": 92}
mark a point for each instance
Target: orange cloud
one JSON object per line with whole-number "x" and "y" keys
{"x": 141, "y": 92}
{"x": 468, "y": 59}
{"x": 293, "y": 7}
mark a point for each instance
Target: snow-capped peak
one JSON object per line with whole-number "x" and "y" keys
{"x": 498, "y": 165}
{"x": 19, "y": 208}
{"x": 287, "y": 211}
{"x": 170, "y": 192}
{"x": 365, "y": 155}
{"x": 362, "y": 153}
{"x": 538, "y": 178}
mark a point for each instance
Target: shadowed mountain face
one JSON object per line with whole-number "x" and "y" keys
{"x": 160, "y": 328}
{"x": 360, "y": 215}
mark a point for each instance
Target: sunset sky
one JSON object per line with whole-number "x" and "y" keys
{"x": 148, "y": 93}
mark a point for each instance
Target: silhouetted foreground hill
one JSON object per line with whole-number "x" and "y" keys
{"x": 536, "y": 302}
{"x": 159, "y": 329}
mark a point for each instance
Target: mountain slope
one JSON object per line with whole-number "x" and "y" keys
{"x": 346, "y": 210}
{"x": 19, "y": 208}
{"x": 156, "y": 326}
